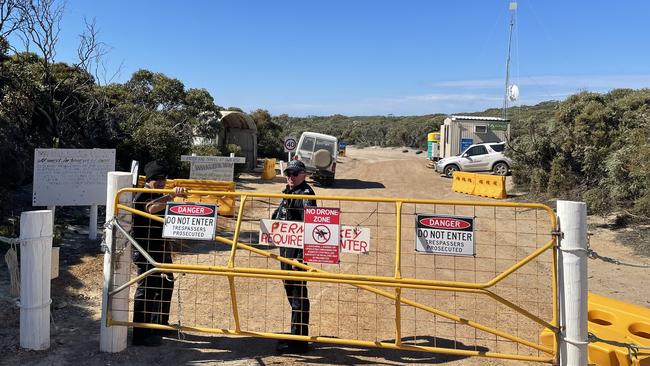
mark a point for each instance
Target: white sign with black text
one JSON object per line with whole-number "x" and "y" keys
{"x": 213, "y": 167}
{"x": 71, "y": 177}
{"x": 442, "y": 234}
{"x": 187, "y": 220}
{"x": 279, "y": 233}
{"x": 355, "y": 239}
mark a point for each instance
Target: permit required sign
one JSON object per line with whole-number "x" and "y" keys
{"x": 186, "y": 220}
{"x": 442, "y": 234}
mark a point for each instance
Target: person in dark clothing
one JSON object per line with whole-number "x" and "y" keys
{"x": 153, "y": 295}
{"x": 293, "y": 210}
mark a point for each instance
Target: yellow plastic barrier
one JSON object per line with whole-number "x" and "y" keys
{"x": 492, "y": 186}
{"x": 269, "y": 169}
{"x": 615, "y": 321}
{"x": 483, "y": 185}
{"x": 463, "y": 182}
{"x": 226, "y": 203}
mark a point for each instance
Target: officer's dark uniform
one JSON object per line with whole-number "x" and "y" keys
{"x": 293, "y": 210}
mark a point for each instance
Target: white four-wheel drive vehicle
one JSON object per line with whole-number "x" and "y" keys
{"x": 477, "y": 158}
{"x": 318, "y": 152}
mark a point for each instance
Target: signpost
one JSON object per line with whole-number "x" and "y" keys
{"x": 186, "y": 220}
{"x": 442, "y": 234}
{"x": 212, "y": 167}
{"x": 135, "y": 167}
{"x": 290, "y": 145}
{"x": 321, "y": 237}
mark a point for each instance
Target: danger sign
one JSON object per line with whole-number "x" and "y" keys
{"x": 197, "y": 221}
{"x": 321, "y": 239}
{"x": 288, "y": 234}
{"x": 440, "y": 234}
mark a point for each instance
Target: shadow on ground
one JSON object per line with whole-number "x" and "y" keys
{"x": 199, "y": 349}
{"x": 353, "y": 184}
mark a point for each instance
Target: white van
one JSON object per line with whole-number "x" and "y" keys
{"x": 318, "y": 152}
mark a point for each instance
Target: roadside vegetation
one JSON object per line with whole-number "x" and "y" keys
{"x": 591, "y": 146}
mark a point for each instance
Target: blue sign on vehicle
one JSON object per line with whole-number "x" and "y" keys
{"x": 342, "y": 145}
{"x": 465, "y": 143}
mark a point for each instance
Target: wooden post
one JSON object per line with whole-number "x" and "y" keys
{"x": 117, "y": 267}
{"x": 92, "y": 224}
{"x": 572, "y": 286}
{"x": 35, "y": 263}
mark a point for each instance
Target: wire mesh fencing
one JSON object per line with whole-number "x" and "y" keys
{"x": 493, "y": 302}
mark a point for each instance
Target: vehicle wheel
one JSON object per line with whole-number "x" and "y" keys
{"x": 500, "y": 169}
{"x": 449, "y": 170}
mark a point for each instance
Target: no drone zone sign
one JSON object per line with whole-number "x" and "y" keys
{"x": 321, "y": 235}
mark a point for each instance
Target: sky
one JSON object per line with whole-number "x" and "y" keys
{"x": 372, "y": 57}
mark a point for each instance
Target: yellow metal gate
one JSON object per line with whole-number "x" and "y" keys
{"x": 493, "y": 304}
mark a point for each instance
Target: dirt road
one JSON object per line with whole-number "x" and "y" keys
{"x": 370, "y": 172}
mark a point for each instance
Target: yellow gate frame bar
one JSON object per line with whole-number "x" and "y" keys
{"x": 361, "y": 281}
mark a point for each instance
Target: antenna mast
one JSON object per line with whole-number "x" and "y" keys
{"x": 512, "y": 8}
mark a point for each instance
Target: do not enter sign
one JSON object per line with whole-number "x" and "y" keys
{"x": 322, "y": 235}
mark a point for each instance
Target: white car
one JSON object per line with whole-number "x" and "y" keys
{"x": 477, "y": 158}
{"x": 318, "y": 151}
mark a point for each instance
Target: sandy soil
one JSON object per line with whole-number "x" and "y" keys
{"x": 369, "y": 172}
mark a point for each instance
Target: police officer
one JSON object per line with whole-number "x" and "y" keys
{"x": 153, "y": 295}
{"x": 293, "y": 210}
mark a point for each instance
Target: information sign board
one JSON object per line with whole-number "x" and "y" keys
{"x": 219, "y": 168}
{"x": 71, "y": 177}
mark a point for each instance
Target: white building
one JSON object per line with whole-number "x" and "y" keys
{"x": 459, "y": 132}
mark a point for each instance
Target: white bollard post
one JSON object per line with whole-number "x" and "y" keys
{"x": 114, "y": 338}
{"x": 35, "y": 268}
{"x": 572, "y": 285}
{"x": 92, "y": 224}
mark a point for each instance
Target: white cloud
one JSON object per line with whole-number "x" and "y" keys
{"x": 569, "y": 81}
{"x": 457, "y": 96}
